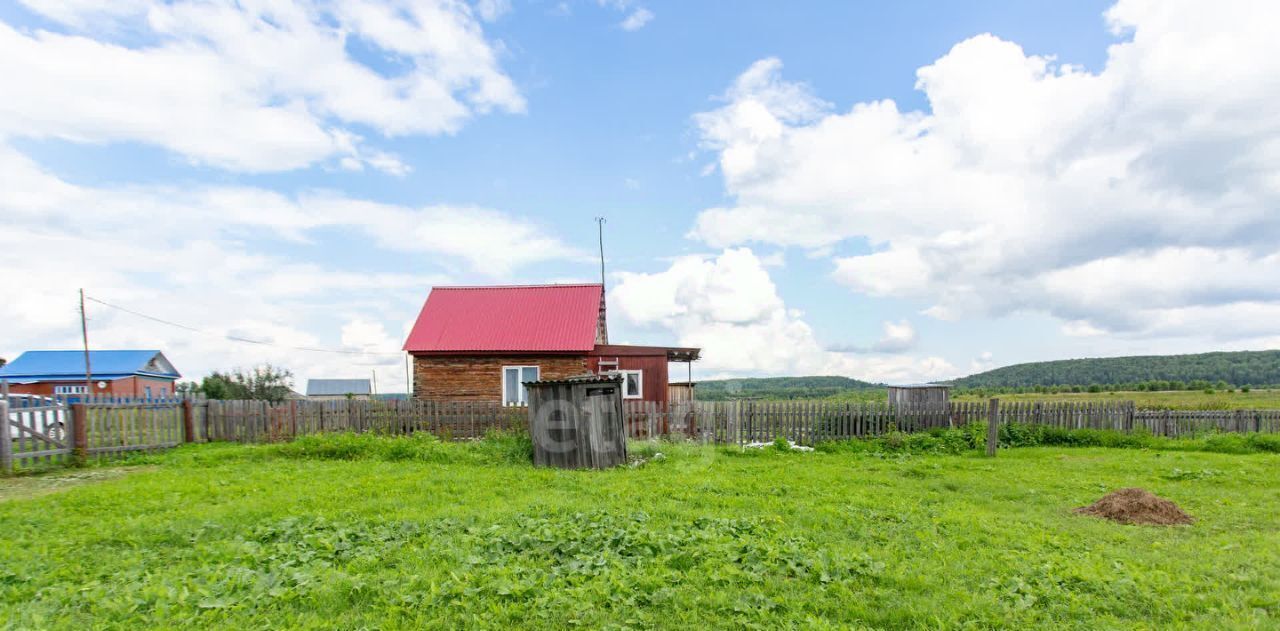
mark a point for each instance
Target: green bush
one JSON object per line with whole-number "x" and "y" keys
{"x": 1264, "y": 442}
{"x": 936, "y": 441}
{"x": 1013, "y": 435}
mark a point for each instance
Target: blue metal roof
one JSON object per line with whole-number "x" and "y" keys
{"x": 337, "y": 387}
{"x": 55, "y": 365}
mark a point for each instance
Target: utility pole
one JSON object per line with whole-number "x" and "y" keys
{"x": 600, "y": 229}
{"x": 374, "y": 372}
{"x": 84, "y": 334}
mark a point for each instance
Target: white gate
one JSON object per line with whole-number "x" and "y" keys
{"x": 37, "y": 429}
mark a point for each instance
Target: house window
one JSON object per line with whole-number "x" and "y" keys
{"x": 513, "y": 378}
{"x": 148, "y": 389}
{"x": 632, "y": 383}
{"x": 69, "y": 390}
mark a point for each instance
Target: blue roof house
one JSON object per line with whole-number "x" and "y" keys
{"x": 126, "y": 373}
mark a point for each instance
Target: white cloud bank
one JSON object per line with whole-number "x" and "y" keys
{"x": 729, "y": 306}
{"x": 1138, "y": 200}
{"x": 235, "y": 261}
{"x": 252, "y": 86}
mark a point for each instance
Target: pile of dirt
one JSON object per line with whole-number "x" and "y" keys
{"x": 1137, "y": 506}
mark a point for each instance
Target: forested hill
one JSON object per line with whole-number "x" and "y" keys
{"x": 779, "y": 388}
{"x": 1239, "y": 368}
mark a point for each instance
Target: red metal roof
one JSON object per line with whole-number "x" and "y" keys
{"x": 527, "y": 318}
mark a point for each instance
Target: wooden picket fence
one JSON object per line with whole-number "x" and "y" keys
{"x": 809, "y": 422}
{"x": 260, "y": 421}
{"x": 56, "y": 430}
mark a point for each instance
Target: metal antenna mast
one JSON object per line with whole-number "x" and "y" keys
{"x": 600, "y": 227}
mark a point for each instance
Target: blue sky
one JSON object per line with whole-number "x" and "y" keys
{"x": 1039, "y": 188}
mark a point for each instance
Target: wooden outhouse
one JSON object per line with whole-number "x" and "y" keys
{"x": 577, "y": 423}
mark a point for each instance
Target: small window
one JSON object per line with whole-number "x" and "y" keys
{"x": 69, "y": 390}
{"x": 632, "y": 383}
{"x": 148, "y": 390}
{"x": 513, "y": 378}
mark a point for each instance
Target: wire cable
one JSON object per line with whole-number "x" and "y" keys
{"x": 234, "y": 338}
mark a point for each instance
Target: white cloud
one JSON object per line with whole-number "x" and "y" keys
{"x": 1138, "y": 199}
{"x": 238, "y": 261}
{"x": 982, "y": 363}
{"x": 729, "y": 306}
{"x": 637, "y": 19}
{"x": 490, "y": 10}
{"x": 250, "y": 87}
{"x": 637, "y": 16}
{"x": 476, "y": 239}
{"x": 898, "y": 337}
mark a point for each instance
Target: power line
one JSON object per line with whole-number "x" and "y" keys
{"x": 234, "y": 338}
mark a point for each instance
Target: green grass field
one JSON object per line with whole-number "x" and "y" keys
{"x": 1176, "y": 399}
{"x": 406, "y": 533}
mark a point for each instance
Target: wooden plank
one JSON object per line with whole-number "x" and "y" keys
{"x": 6, "y": 444}
{"x": 993, "y": 427}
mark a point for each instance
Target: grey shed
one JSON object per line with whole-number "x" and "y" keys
{"x": 919, "y": 394}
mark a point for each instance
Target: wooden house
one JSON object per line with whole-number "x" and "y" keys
{"x": 119, "y": 373}
{"x": 483, "y": 343}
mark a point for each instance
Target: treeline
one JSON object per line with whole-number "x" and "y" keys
{"x": 1142, "y": 386}
{"x": 1221, "y": 370}
{"x": 780, "y": 388}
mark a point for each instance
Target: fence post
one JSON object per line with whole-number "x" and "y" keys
{"x": 6, "y": 446}
{"x": 993, "y": 426}
{"x": 188, "y": 421}
{"x": 79, "y": 432}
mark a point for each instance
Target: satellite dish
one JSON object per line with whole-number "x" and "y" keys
{"x": 102, "y": 385}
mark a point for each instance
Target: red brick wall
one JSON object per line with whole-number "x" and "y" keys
{"x": 479, "y": 377}
{"x": 132, "y": 387}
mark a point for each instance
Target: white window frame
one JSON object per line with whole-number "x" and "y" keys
{"x": 522, "y": 393}
{"x": 69, "y": 390}
{"x": 639, "y": 383}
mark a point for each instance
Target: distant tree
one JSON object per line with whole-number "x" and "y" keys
{"x": 3, "y": 361}
{"x": 219, "y": 385}
{"x": 262, "y": 383}
{"x": 186, "y": 388}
